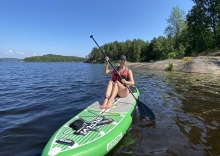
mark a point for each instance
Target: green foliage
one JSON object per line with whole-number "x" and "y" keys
{"x": 176, "y": 22}
{"x": 54, "y": 58}
{"x": 187, "y": 59}
{"x": 199, "y": 34}
{"x": 170, "y": 67}
{"x": 172, "y": 55}
{"x": 180, "y": 52}
{"x": 132, "y": 49}
{"x": 203, "y": 26}
{"x": 186, "y": 35}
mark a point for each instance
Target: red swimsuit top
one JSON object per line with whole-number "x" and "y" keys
{"x": 124, "y": 75}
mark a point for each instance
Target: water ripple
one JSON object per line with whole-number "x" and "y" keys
{"x": 37, "y": 98}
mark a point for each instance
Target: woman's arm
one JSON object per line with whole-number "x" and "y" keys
{"x": 107, "y": 71}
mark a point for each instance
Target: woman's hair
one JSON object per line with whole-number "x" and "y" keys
{"x": 122, "y": 57}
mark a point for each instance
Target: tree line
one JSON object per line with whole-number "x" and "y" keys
{"x": 185, "y": 35}
{"x": 54, "y": 58}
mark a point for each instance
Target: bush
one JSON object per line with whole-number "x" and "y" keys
{"x": 180, "y": 52}
{"x": 187, "y": 59}
{"x": 172, "y": 55}
{"x": 170, "y": 67}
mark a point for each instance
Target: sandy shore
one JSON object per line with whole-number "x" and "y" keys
{"x": 200, "y": 64}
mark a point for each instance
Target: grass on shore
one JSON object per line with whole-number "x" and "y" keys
{"x": 187, "y": 59}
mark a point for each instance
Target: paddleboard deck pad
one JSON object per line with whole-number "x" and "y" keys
{"x": 93, "y": 131}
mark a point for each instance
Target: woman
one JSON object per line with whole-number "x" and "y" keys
{"x": 116, "y": 86}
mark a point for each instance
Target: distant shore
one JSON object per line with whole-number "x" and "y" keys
{"x": 199, "y": 64}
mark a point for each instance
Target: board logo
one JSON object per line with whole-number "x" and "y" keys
{"x": 87, "y": 127}
{"x": 114, "y": 142}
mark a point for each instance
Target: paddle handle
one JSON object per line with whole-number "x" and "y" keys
{"x": 101, "y": 50}
{"x": 112, "y": 65}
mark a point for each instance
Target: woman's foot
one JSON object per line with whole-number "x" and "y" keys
{"x": 103, "y": 106}
{"x": 108, "y": 106}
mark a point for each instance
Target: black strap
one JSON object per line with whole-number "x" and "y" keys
{"x": 65, "y": 141}
{"x": 77, "y": 124}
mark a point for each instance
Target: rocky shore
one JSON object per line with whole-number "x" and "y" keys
{"x": 209, "y": 64}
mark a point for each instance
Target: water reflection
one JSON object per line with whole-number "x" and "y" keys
{"x": 187, "y": 115}
{"x": 37, "y": 98}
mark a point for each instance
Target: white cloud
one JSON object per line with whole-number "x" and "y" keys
{"x": 38, "y": 54}
{"x": 11, "y": 54}
{"x": 21, "y": 55}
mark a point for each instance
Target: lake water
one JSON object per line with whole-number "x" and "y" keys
{"x": 37, "y": 98}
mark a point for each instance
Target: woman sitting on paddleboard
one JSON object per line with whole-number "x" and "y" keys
{"x": 116, "y": 85}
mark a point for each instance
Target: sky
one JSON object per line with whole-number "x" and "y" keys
{"x": 63, "y": 27}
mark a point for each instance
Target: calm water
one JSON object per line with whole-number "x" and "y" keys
{"x": 37, "y": 98}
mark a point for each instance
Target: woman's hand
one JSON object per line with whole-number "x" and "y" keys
{"x": 124, "y": 81}
{"x": 107, "y": 71}
{"x": 106, "y": 59}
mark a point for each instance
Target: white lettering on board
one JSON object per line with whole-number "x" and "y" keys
{"x": 114, "y": 142}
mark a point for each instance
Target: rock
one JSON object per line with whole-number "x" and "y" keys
{"x": 203, "y": 64}
{"x": 200, "y": 64}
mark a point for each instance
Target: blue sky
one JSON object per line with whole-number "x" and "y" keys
{"x": 38, "y": 27}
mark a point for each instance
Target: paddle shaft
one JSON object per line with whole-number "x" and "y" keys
{"x": 143, "y": 109}
{"x": 113, "y": 66}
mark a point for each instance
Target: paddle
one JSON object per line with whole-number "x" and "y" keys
{"x": 143, "y": 109}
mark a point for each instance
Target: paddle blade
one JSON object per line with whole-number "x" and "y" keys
{"x": 145, "y": 111}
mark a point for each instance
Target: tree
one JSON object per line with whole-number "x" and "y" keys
{"x": 54, "y": 58}
{"x": 176, "y": 23}
{"x": 137, "y": 46}
{"x": 144, "y": 52}
{"x": 198, "y": 32}
{"x": 211, "y": 9}
{"x": 128, "y": 49}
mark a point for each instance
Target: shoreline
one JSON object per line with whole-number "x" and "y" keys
{"x": 199, "y": 64}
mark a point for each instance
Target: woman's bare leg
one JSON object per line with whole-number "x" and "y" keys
{"x": 108, "y": 93}
{"x": 122, "y": 90}
{"x": 113, "y": 95}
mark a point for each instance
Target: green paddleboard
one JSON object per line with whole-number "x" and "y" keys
{"x": 94, "y": 131}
